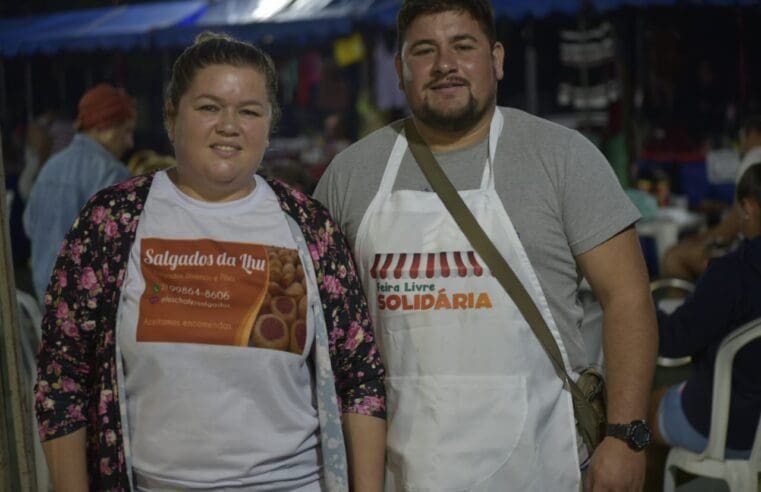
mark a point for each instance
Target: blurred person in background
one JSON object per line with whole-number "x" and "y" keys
{"x": 105, "y": 126}
{"x": 45, "y": 136}
{"x": 726, "y": 296}
{"x": 688, "y": 258}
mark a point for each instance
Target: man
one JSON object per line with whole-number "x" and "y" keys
{"x": 105, "y": 127}
{"x": 474, "y": 403}
{"x": 688, "y": 258}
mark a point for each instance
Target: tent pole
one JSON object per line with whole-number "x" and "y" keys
{"x": 532, "y": 99}
{"x": 29, "y": 90}
{"x": 4, "y": 116}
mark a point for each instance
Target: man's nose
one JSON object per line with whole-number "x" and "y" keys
{"x": 445, "y": 62}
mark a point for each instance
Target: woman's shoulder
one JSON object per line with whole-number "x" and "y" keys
{"x": 133, "y": 190}
{"x": 295, "y": 200}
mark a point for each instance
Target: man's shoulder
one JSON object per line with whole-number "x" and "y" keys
{"x": 374, "y": 146}
{"x": 522, "y": 124}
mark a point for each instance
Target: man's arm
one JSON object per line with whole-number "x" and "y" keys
{"x": 66, "y": 462}
{"x": 617, "y": 274}
{"x": 365, "y": 438}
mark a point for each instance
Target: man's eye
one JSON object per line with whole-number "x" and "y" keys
{"x": 250, "y": 112}
{"x": 464, "y": 47}
{"x": 422, "y": 51}
{"x": 207, "y": 108}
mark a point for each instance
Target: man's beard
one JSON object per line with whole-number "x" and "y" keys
{"x": 454, "y": 121}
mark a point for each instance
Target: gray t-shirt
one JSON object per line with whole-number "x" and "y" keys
{"x": 560, "y": 192}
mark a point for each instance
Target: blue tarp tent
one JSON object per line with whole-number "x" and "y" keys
{"x": 175, "y": 24}
{"x": 299, "y": 21}
{"x": 119, "y": 27}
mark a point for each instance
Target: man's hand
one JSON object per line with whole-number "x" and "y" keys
{"x": 615, "y": 467}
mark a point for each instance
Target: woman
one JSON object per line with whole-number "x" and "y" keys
{"x": 202, "y": 322}
{"x": 725, "y": 297}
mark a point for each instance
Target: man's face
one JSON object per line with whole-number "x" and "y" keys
{"x": 749, "y": 138}
{"x": 449, "y": 71}
{"x": 120, "y": 138}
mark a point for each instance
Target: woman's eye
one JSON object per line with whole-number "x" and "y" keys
{"x": 207, "y": 108}
{"x": 250, "y": 112}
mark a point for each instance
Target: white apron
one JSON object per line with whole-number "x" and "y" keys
{"x": 473, "y": 401}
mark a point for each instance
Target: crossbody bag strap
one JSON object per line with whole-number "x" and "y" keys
{"x": 488, "y": 252}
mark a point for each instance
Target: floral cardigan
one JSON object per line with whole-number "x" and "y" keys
{"x": 78, "y": 371}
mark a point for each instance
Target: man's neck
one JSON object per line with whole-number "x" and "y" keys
{"x": 443, "y": 141}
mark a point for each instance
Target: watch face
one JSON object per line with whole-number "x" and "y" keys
{"x": 640, "y": 435}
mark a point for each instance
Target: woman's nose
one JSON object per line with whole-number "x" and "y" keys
{"x": 227, "y": 121}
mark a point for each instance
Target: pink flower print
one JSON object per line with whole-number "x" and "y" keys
{"x": 111, "y": 229}
{"x": 98, "y": 214}
{"x": 63, "y": 280}
{"x": 74, "y": 412}
{"x": 68, "y": 385}
{"x": 335, "y": 334}
{"x": 70, "y": 329}
{"x": 332, "y": 285}
{"x": 88, "y": 280}
{"x": 299, "y": 196}
{"x": 342, "y": 271}
{"x": 314, "y": 252}
{"x": 105, "y": 468}
{"x": 75, "y": 251}
{"x": 110, "y": 437}
{"x": 42, "y": 390}
{"x": 373, "y": 402}
{"x": 42, "y": 430}
{"x": 355, "y": 336}
{"x": 88, "y": 325}
{"x": 126, "y": 218}
{"x": 106, "y": 396}
{"x": 55, "y": 368}
{"x": 62, "y": 310}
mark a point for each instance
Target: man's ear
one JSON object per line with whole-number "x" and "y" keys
{"x": 498, "y": 59}
{"x": 399, "y": 69}
{"x": 170, "y": 113}
{"x": 751, "y": 209}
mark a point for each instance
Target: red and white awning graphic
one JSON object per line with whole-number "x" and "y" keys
{"x": 426, "y": 265}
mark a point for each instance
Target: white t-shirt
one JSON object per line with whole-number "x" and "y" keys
{"x": 215, "y": 336}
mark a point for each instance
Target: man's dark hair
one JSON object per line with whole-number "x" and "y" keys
{"x": 749, "y": 186}
{"x": 480, "y": 10}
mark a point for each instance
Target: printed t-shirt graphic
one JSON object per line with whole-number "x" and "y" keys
{"x": 222, "y": 293}
{"x": 418, "y": 281}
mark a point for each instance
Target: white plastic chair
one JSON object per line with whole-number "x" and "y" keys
{"x": 740, "y": 475}
{"x": 669, "y": 305}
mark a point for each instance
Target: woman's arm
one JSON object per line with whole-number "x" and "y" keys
{"x": 66, "y": 462}
{"x": 365, "y": 438}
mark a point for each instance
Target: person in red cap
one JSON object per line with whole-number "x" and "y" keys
{"x": 105, "y": 125}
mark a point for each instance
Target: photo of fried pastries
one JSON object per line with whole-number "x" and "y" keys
{"x": 281, "y": 321}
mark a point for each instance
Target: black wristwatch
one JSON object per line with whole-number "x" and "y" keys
{"x": 636, "y": 434}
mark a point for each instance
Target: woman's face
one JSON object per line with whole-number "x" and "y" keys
{"x": 220, "y": 132}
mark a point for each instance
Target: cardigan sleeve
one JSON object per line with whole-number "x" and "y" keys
{"x": 356, "y": 360}
{"x": 69, "y": 330}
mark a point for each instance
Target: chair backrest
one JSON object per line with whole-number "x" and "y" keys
{"x": 669, "y": 286}
{"x": 30, "y": 320}
{"x": 722, "y": 385}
